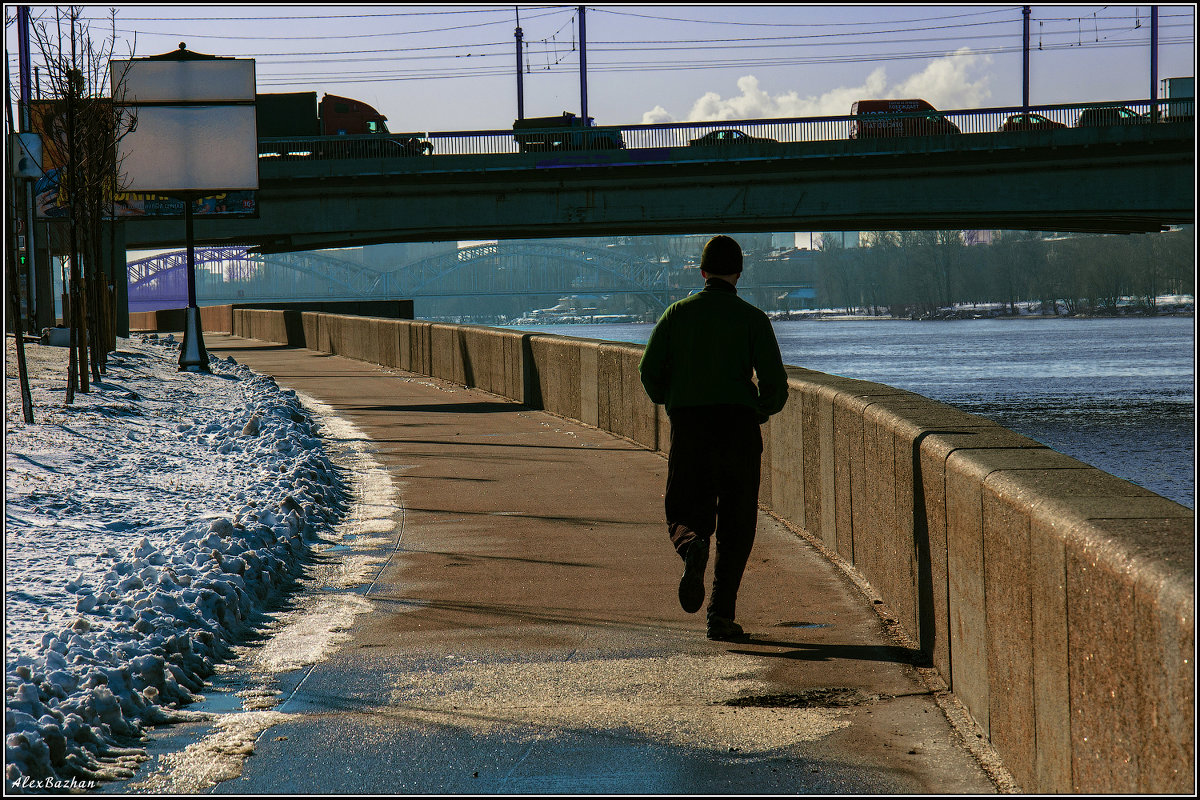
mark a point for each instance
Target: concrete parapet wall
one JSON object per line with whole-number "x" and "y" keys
{"x": 217, "y": 318}
{"x": 268, "y": 326}
{"x": 163, "y": 320}
{"x": 622, "y": 406}
{"x": 1057, "y": 601}
{"x": 143, "y": 320}
{"x": 387, "y": 309}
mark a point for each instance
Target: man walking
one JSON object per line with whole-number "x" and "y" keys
{"x": 699, "y": 363}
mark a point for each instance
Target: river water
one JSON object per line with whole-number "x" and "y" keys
{"x": 1118, "y": 394}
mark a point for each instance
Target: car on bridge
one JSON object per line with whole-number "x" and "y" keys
{"x": 345, "y": 147}
{"x": 913, "y": 117}
{"x": 564, "y": 132}
{"x": 405, "y": 145}
{"x": 1110, "y": 115}
{"x": 1029, "y": 122}
{"x": 728, "y": 136}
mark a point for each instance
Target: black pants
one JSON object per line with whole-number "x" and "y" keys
{"x": 713, "y": 470}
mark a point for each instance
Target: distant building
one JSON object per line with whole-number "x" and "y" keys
{"x": 787, "y": 280}
{"x": 783, "y": 241}
{"x": 977, "y": 237}
{"x": 811, "y": 240}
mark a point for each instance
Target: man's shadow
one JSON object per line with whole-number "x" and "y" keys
{"x": 808, "y": 651}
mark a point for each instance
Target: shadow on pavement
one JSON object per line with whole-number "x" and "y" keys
{"x": 446, "y": 408}
{"x": 827, "y": 652}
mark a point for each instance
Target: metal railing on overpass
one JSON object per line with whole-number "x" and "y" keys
{"x": 713, "y": 135}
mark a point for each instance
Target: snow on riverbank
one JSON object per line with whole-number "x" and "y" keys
{"x": 145, "y": 527}
{"x": 1165, "y": 305}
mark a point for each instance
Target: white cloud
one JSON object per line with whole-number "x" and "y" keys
{"x": 953, "y": 81}
{"x": 945, "y": 82}
{"x": 656, "y": 115}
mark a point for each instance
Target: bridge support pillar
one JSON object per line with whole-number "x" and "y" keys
{"x": 43, "y": 275}
{"x": 115, "y": 267}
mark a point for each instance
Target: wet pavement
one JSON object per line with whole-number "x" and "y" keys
{"x": 500, "y": 616}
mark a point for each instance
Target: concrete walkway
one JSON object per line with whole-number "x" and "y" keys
{"x": 524, "y": 636}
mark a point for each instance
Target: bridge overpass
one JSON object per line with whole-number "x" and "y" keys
{"x": 1115, "y": 179}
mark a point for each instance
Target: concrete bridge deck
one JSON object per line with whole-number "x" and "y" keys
{"x": 524, "y": 635}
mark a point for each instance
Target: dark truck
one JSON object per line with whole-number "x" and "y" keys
{"x": 564, "y": 132}
{"x": 297, "y": 116}
{"x": 897, "y": 118}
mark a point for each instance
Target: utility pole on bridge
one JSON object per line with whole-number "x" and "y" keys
{"x": 520, "y": 85}
{"x": 1153, "y": 63}
{"x": 583, "y": 64}
{"x": 1025, "y": 65}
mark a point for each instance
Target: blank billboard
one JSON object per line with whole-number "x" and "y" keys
{"x": 190, "y": 148}
{"x": 215, "y": 80}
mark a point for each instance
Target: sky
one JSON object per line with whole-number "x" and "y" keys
{"x": 146, "y": 524}
{"x": 453, "y": 67}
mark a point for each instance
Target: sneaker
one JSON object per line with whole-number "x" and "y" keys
{"x": 691, "y": 585}
{"x": 724, "y": 630}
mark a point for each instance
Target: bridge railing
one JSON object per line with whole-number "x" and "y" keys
{"x": 781, "y": 131}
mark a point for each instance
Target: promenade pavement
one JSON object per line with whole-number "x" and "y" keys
{"x": 522, "y": 634}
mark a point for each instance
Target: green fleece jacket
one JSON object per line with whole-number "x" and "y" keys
{"x": 705, "y": 350}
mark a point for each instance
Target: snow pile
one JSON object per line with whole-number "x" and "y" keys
{"x": 146, "y": 528}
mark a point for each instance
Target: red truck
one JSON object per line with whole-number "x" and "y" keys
{"x": 341, "y": 116}
{"x": 298, "y": 115}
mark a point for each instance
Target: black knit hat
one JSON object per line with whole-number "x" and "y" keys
{"x": 722, "y": 256}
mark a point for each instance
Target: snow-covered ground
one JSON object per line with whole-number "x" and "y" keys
{"x": 145, "y": 527}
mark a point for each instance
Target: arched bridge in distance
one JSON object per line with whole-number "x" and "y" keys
{"x": 238, "y": 275}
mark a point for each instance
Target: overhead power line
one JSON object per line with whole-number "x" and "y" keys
{"x": 658, "y": 45}
{"x": 732, "y": 44}
{"x": 1006, "y": 23}
{"x": 504, "y": 11}
{"x": 474, "y": 59}
{"x": 644, "y": 66}
{"x": 323, "y": 37}
{"x": 481, "y": 69}
{"x": 603, "y": 10}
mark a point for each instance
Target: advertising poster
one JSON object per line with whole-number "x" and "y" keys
{"x": 50, "y": 205}
{"x": 46, "y": 119}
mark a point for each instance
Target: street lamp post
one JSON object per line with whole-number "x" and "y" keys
{"x": 193, "y": 356}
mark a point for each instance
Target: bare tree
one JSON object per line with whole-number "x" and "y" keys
{"x": 81, "y": 125}
{"x": 1010, "y": 263}
{"x": 838, "y": 282}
